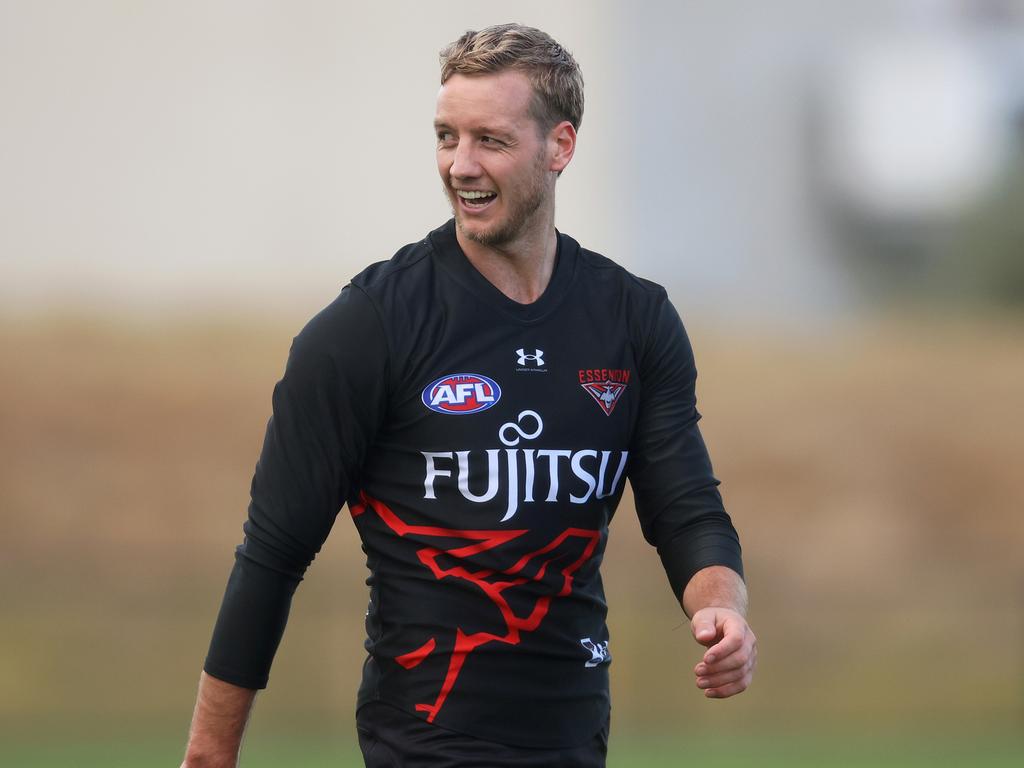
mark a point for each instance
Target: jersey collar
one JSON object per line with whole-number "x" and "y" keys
{"x": 451, "y": 257}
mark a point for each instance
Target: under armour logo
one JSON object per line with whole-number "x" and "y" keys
{"x": 537, "y": 357}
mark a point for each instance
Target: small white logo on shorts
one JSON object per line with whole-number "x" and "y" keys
{"x": 599, "y": 653}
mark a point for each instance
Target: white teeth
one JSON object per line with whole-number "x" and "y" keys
{"x": 468, "y": 195}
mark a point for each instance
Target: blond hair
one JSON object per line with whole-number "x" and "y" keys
{"x": 553, "y": 72}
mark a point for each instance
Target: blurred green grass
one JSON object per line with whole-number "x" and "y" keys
{"x": 792, "y": 750}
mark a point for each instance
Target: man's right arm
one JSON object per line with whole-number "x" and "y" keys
{"x": 326, "y": 409}
{"x": 218, "y": 722}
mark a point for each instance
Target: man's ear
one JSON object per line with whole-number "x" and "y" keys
{"x": 562, "y": 143}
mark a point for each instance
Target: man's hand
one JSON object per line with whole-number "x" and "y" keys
{"x": 728, "y": 664}
{"x": 716, "y": 599}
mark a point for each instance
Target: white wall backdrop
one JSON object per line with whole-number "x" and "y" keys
{"x": 175, "y": 156}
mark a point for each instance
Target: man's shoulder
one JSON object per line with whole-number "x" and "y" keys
{"x": 404, "y": 263}
{"x": 365, "y": 299}
{"x": 598, "y": 267}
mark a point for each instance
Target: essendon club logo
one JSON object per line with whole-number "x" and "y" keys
{"x": 461, "y": 393}
{"x": 606, "y": 394}
{"x": 605, "y": 385}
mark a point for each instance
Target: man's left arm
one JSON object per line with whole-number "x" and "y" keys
{"x": 681, "y": 511}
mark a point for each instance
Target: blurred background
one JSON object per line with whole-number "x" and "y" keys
{"x": 833, "y": 194}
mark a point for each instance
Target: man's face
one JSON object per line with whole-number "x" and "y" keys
{"x": 491, "y": 157}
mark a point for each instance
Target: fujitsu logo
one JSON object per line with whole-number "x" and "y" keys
{"x": 586, "y": 473}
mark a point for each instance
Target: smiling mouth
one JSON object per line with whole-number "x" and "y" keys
{"x": 475, "y": 200}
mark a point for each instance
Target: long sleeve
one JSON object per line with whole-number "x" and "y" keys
{"x": 326, "y": 410}
{"x": 677, "y": 499}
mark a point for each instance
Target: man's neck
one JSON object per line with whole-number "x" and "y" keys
{"x": 520, "y": 269}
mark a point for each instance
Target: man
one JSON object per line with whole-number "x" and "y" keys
{"x": 478, "y": 401}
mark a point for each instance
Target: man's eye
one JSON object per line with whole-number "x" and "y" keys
{"x": 444, "y": 136}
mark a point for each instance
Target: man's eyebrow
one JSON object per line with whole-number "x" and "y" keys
{"x": 500, "y": 133}
{"x": 482, "y": 130}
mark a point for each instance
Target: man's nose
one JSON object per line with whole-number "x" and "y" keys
{"x": 464, "y": 163}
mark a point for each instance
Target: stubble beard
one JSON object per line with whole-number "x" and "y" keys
{"x": 524, "y": 209}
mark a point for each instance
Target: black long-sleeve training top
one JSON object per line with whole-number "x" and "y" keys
{"x": 482, "y": 447}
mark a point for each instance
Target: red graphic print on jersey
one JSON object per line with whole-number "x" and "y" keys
{"x": 492, "y": 589}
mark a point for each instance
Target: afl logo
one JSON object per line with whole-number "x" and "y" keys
{"x": 461, "y": 393}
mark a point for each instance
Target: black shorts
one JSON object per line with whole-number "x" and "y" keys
{"x": 390, "y": 738}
